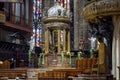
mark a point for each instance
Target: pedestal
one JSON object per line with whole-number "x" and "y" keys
{"x": 53, "y": 60}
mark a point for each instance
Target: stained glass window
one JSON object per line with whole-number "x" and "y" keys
{"x": 37, "y": 26}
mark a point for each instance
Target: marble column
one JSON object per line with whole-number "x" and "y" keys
{"x": 115, "y": 47}
{"x": 58, "y": 41}
{"x": 46, "y": 41}
{"x": 64, "y": 40}
{"x": 68, "y": 44}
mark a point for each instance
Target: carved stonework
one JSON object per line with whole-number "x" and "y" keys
{"x": 101, "y": 8}
{"x": 58, "y": 25}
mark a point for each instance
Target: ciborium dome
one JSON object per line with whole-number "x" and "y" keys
{"x": 56, "y": 14}
{"x": 56, "y": 10}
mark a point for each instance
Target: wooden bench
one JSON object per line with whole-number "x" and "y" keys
{"x": 13, "y": 73}
{"x": 59, "y": 74}
{"x": 85, "y": 65}
{"x": 69, "y": 72}
{"x": 51, "y": 75}
{"x": 5, "y": 64}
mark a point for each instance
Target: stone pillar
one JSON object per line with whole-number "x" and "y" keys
{"x": 64, "y": 40}
{"x": 45, "y": 42}
{"x": 76, "y": 24}
{"x": 115, "y": 47}
{"x": 68, "y": 36}
{"x": 58, "y": 41}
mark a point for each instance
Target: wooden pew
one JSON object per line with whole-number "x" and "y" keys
{"x": 4, "y": 64}
{"x": 69, "y": 72}
{"x": 79, "y": 64}
{"x": 59, "y": 74}
{"x": 85, "y": 65}
{"x": 51, "y": 75}
{"x": 1, "y": 64}
{"x": 89, "y": 66}
{"x": 13, "y": 73}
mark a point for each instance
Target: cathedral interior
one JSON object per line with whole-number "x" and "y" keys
{"x": 59, "y": 39}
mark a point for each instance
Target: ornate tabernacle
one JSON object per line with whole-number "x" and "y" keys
{"x": 57, "y": 36}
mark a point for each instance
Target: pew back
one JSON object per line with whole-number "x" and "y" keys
{"x": 13, "y": 73}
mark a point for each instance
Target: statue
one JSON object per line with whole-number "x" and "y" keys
{"x": 59, "y": 12}
{"x": 41, "y": 59}
{"x": 68, "y": 53}
{"x": 79, "y": 55}
{"x": 93, "y": 42}
{"x": 62, "y": 55}
{"x": 29, "y": 56}
{"x": 93, "y": 29}
{"x": 91, "y": 52}
{"x": 31, "y": 43}
{"x": 81, "y": 46}
{"x": 64, "y": 12}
